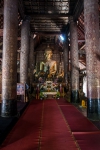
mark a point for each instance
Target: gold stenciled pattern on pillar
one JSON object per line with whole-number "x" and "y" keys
{"x": 9, "y": 68}
{"x": 92, "y": 51}
{"x": 23, "y": 65}
{"x": 9, "y": 76}
{"x": 24, "y": 51}
{"x": 74, "y": 56}
{"x": 31, "y": 58}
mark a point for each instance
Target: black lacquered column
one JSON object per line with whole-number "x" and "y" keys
{"x": 91, "y": 18}
{"x": 9, "y": 65}
{"x": 74, "y": 62}
{"x": 24, "y": 55}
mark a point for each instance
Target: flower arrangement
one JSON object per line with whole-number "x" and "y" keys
{"x": 41, "y": 95}
{"x": 49, "y": 86}
{"x": 58, "y": 94}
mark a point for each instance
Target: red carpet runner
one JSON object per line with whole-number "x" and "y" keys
{"x": 52, "y": 125}
{"x": 86, "y": 134}
{"x": 55, "y": 132}
{"x": 41, "y": 127}
{"x": 25, "y": 134}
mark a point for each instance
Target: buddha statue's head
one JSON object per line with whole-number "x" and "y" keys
{"x": 48, "y": 53}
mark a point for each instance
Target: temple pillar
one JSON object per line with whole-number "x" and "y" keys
{"x": 91, "y": 19}
{"x": 31, "y": 59}
{"x": 74, "y": 62}
{"x": 66, "y": 59}
{"x": 24, "y": 54}
{"x": 9, "y": 64}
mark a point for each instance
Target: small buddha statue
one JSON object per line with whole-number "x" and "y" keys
{"x": 61, "y": 74}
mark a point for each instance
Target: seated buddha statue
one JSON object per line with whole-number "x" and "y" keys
{"x": 49, "y": 66}
{"x": 60, "y": 74}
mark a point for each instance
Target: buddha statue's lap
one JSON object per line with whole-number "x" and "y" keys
{"x": 51, "y": 65}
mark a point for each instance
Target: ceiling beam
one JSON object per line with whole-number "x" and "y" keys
{"x": 47, "y": 26}
{"x": 54, "y": 15}
{"x": 47, "y": 33}
{"x": 47, "y": 23}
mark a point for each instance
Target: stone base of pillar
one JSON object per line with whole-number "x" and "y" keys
{"x": 93, "y": 109}
{"x": 75, "y": 96}
{"x": 9, "y": 108}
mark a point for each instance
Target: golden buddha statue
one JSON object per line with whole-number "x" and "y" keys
{"x": 49, "y": 66}
{"x": 61, "y": 74}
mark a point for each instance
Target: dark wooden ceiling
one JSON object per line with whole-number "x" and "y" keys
{"x": 49, "y": 19}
